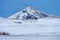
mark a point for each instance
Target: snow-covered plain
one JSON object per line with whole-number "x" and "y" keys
{"x": 29, "y": 37}
{"x": 43, "y": 26}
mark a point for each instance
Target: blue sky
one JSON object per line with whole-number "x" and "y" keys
{"x": 9, "y": 7}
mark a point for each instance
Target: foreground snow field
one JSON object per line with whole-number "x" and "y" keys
{"x": 43, "y": 26}
{"x": 30, "y": 37}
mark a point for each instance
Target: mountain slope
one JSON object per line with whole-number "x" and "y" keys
{"x": 29, "y": 13}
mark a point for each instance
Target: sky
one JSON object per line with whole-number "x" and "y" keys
{"x": 10, "y": 7}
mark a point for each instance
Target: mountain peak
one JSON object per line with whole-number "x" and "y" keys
{"x": 29, "y": 13}
{"x": 30, "y": 7}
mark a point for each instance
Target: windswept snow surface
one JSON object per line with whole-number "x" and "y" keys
{"x": 43, "y": 26}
